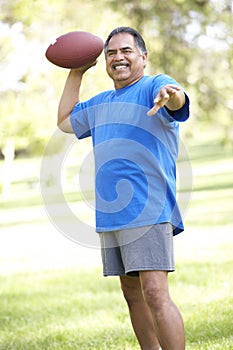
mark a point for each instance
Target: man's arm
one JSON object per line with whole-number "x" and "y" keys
{"x": 170, "y": 96}
{"x": 70, "y": 97}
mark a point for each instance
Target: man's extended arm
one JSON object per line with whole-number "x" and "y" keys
{"x": 170, "y": 96}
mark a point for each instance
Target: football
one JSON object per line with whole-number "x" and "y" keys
{"x": 74, "y": 49}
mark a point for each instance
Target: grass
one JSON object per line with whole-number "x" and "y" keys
{"x": 63, "y": 310}
{"x": 76, "y": 310}
{"x": 72, "y": 308}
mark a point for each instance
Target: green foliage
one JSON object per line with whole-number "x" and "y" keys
{"x": 29, "y": 27}
{"x": 21, "y": 10}
{"x": 190, "y": 40}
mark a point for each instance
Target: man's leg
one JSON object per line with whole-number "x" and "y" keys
{"x": 167, "y": 318}
{"x": 140, "y": 315}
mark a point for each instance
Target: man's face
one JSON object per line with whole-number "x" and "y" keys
{"x": 124, "y": 62}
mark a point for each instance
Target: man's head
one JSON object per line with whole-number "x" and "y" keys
{"x": 126, "y": 56}
{"x": 139, "y": 42}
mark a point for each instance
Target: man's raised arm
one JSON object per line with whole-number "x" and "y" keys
{"x": 70, "y": 97}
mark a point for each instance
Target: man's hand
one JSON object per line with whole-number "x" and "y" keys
{"x": 170, "y": 95}
{"x": 83, "y": 69}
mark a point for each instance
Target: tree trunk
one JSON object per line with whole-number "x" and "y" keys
{"x": 9, "y": 155}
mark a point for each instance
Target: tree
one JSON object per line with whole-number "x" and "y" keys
{"x": 30, "y": 86}
{"x": 188, "y": 39}
{"x": 192, "y": 41}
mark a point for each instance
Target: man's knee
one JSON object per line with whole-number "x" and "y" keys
{"x": 155, "y": 290}
{"x": 131, "y": 289}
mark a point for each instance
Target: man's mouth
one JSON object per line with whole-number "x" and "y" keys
{"x": 120, "y": 66}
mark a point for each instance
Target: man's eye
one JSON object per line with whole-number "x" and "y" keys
{"x": 111, "y": 53}
{"x": 128, "y": 51}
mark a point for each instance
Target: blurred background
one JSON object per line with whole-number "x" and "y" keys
{"x": 190, "y": 40}
{"x": 41, "y": 307}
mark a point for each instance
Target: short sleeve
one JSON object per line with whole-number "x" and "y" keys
{"x": 79, "y": 121}
{"x": 179, "y": 115}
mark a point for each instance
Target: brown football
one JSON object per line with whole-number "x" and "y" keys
{"x": 75, "y": 49}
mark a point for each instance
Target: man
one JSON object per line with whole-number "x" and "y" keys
{"x": 135, "y": 137}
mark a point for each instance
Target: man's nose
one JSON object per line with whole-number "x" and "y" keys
{"x": 119, "y": 55}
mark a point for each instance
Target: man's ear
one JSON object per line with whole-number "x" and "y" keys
{"x": 144, "y": 57}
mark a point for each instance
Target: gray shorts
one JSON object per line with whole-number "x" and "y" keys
{"x": 126, "y": 252}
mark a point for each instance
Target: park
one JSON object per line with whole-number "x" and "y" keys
{"x": 52, "y": 294}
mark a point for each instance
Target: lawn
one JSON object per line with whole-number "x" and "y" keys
{"x": 69, "y": 309}
{"x": 49, "y": 301}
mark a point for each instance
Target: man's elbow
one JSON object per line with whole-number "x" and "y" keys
{"x": 65, "y": 125}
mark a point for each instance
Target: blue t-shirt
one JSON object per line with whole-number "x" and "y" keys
{"x": 135, "y": 155}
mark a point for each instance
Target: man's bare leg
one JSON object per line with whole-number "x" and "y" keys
{"x": 167, "y": 318}
{"x": 140, "y": 315}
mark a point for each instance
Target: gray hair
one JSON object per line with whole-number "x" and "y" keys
{"x": 139, "y": 42}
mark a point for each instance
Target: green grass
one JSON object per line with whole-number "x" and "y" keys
{"x": 67, "y": 309}
{"x": 63, "y": 310}
{"x": 70, "y": 308}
